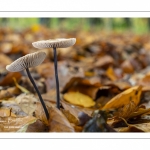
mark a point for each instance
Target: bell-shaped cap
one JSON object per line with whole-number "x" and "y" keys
{"x": 27, "y": 61}
{"x": 54, "y": 43}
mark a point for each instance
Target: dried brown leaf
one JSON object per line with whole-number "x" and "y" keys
{"x": 58, "y": 122}
{"x": 27, "y": 102}
{"x": 104, "y": 61}
{"x": 75, "y": 110}
{"x": 70, "y": 117}
{"x": 10, "y": 92}
{"x": 8, "y": 79}
{"x": 124, "y": 98}
{"x": 111, "y": 74}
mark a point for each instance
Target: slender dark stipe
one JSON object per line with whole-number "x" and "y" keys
{"x": 40, "y": 97}
{"x": 56, "y": 77}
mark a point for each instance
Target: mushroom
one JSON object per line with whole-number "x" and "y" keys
{"x": 55, "y": 43}
{"x": 25, "y": 62}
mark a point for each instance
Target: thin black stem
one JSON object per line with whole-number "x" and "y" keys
{"x": 40, "y": 97}
{"x": 56, "y": 77}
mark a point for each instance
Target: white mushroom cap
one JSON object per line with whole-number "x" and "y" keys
{"x": 54, "y": 43}
{"x": 27, "y": 61}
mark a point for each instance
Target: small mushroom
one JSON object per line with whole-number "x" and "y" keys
{"x": 55, "y": 43}
{"x": 25, "y": 62}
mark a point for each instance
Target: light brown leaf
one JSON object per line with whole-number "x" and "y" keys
{"x": 58, "y": 122}
{"x": 27, "y": 102}
{"x": 127, "y": 67}
{"x": 122, "y": 85}
{"x": 75, "y": 110}
{"x": 10, "y": 92}
{"x": 124, "y": 98}
{"x": 5, "y": 112}
{"x": 143, "y": 127}
{"x": 40, "y": 114}
{"x": 70, "y": 117}
{"x": 104, "y": 61}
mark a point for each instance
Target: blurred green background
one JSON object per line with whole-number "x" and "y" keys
{"x": 135, "y": 25}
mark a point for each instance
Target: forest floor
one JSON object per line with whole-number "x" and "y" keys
{"x": 104, "y": 82}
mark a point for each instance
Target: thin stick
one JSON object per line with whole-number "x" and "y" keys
{"x": 40, "y": 97}
{"x": 56, "y": 77}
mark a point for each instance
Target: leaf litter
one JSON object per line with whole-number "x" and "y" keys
{"x": 104, "y": 83}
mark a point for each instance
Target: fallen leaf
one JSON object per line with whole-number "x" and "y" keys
{"x": 75, "y": 110}
{"x": 78, "y": 98}
{"x": 10, "y": 92}
{"x": 70, "y": 117}
{"x": 77, "y": 84}
{"x": 140, "y": 112}
{"x": 58, "y": 122}
{"x": 142, "y": 127}
{"x": 37, "y": 126}
{"x": 122, "y": 85}
{"x": 10, "y": 104}
{"x": 111, "y": 74}
{"x": 104, "y": 61}
{"x": 5, "y": 112}
{"x": 126, "y": 111}
{"x": 27, "y": 102}
{"x": 145, "y": 81}
{"x": 40, "y": 114}
{"x": 124, "y": 98}
{"x": 8, "y": 79}
{"x": 127, "y": 67}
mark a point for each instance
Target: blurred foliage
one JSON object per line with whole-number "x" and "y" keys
{"x": 135, "y": 25}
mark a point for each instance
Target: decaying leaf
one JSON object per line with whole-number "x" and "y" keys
{"x": 14, "y": 108}
{"x": 127, "y": 67}
{"x": 75, "y": 110}
{"x": 78, "y": 98}
{"x": 27, "y": 103}
{"x": 142, "y": 127}
{"x": 70, "y": 117}
{"x": 102, "y": 72}
{"x": 111, "y": 74}
{"x": 124, "y": 98}
{"x": 37, "y": 126}
{"x": 40, "y": 114}
{"x": 5, "y": 112}
{"x": 10, "y": 92}
{"x": 104, "y": 61}
{"x": 122, "y": 85}
{"x": 78, "y": 84}
{"x": 126, "y": 110}
{"x": 58, "y": 122}
{"x": 8, "y": 79}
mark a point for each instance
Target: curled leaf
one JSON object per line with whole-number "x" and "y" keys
{"x": 124, "y": 98}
